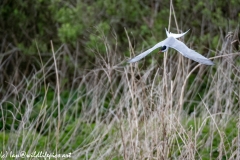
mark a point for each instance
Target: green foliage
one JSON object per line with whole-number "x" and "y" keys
{"x": 88, "y": 23}
{"x": 4, "y": 137}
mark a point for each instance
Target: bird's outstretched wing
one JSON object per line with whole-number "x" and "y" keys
{"x": 187, "y": 52}
{"x": 140, "y": 56}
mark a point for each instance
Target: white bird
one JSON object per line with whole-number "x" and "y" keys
{"x": 172, "y": 42}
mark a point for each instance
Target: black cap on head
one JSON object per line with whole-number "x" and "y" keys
{"x": 163, "y": 48}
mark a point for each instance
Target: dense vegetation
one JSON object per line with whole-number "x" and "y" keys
{"x": 66, "y": 87}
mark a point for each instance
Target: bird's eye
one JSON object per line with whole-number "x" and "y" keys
{"x": 163, "y": 48}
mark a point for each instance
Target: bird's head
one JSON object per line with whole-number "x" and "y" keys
{"x": 163, "y": 49}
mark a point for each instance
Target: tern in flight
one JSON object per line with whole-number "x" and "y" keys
{"x": 172, "y": 42}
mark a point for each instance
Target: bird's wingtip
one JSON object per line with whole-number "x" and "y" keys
{"x": 167, "y": 32}
{"x": 210, "y": 63}
{"x": 130, "y": 61}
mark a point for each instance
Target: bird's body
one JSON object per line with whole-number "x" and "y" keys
{"x": 172, "y": 42}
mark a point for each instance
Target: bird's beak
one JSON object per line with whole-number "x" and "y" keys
{"x": 159, "y": 52}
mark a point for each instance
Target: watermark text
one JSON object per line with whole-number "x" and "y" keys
{"x": 35, "y": 154}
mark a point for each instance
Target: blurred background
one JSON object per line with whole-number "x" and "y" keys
{"x": 82, "y": 28}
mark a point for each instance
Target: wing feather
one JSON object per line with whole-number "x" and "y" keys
{"x": 144, "y": 54}
{"x": 187, "y": 52}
